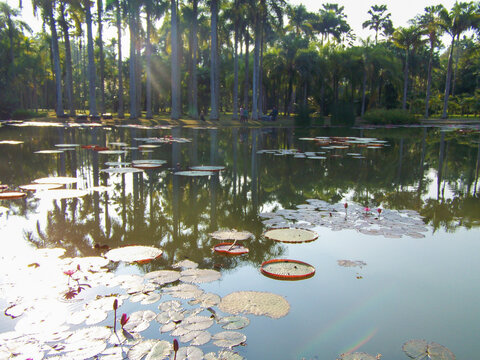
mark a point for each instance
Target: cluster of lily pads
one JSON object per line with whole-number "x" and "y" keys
{"x": 330, "y": 148}
{"x": 341, "y": 216}
{"x": 62, "y": 310}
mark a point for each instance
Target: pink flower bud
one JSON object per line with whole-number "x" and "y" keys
{"x": 124, "y": 319}
{"x": 69, "y": 272}
{"x": 175, "y": 345}
{"x": 115, "y": 304}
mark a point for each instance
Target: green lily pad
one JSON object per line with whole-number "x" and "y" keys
{"x": 121, "y": 170}
{"x": 231, "y": 235}
{"x": 48, "y": 152}
{"x": 223, "y": 355}
{"x": 162, "y": 277}
{"x": 193, "y": 173}
{"x": 40, "y": 187}
{"x": 198, "y": 276}
{"x": 189, "y": 353}
{"x": 228, "y": 339}
{"x": 139, "y": 321}
{"x": 234, "y": 322}
{"x": 196, "y": 338}
{"x": 291, "y": 235}
{"x": 207, "y": 168}
{"x": 256, "y": 303}
{"x": 64, "y": 180}
{"x": 150, "y": 348}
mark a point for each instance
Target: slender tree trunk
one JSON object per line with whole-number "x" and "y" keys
{"x": 256, "y": 63}
{"x": 132, "y": 66}
{"x": 68, "y": 61}
{"x": 405, "y": 81}
{"x": 235, "y": 69}
{"x": 245, "y": 81}
{"x": 56, "y": 63}
{"x": 175, "y": 113}
{"x": 149, "y": 68}
{"x": 448, "y": 80}
{"x": 138, "y": 64}
{"x": 260, "y": 71}
{"x": 429, "y": 79}
{"x": 364, "y": 92}
{"x": 11, "y": 51}
{"x": 214, "y": 96}
{"x": 193, "y": 71}
{"x": 91, "y": 62}
{"x": 100, "y": 50}
{"x": 119, "y": 62}
{"x": 457, "y": 57}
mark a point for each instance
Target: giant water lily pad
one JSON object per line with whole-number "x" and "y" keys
{"x": 134, "y": 253}
{"x": 230, "y": 248}
{"x": 198, "y": 276}
{"x": 291, "y": 235}
{"x": 193, "y": 173}
{"x": 184, "y": 291}
{"x": 121, "y": 170}
{"x": 162, "y": 277}
{"x": 256, "y": 303}
{"x": 64, "y": 180}
{"x": 423, "y": 350}
{"x": 67, "y": 145}
{"x": 40, "y": 187}
{"x": 152, "y": 349}
{"x": 287, "y": 269}
{"x": 223, "y": 355}
{"x": 112, "y": 152}
{"x": 48, "y": 152}
{"x": 59, "y": 194}
{"x": 231, "y": 235}
{"x": 7, "y": 195}
{"x": 207, "y": 168}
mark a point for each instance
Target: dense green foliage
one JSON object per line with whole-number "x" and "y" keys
{"x": 268, "y": 53}
{"x": 389, "y": 116}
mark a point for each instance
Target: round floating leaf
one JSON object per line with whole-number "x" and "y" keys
{"x": 206, "y": 300}
{"x": 184, "y": 291}
{"x": 48, "y": 152}
{"x": 230, "y": 248}
{"x": 193, "y": 173}
{"x": 189, "y": 353}
{"x": 231, "y": 235}
{"x": 134, "y": 253}
{"x": 196, "y": 337}
{"x": 291, "y": 235}
{"x": 223, "y": 355}
{"x": 234, "y": 322}
{"x": 185, "y": 264}
{"x": 112, "y": 152}
{"x": 161, "y": 350}
{"x": 67, "y": 145}
{"x": 228, "y": 339}
{"x": 64, "y": 180}
{"x": 139, "y": 350}
{"x": 121, "y": 170}
{"x": 162, "y": 277}
{"x": 62, "y": 194}
{"x": 207, "y": 168}
{"x": 287, "y": 269}
{"x": 7, "y": 195}
{"x": 40, "y": 187}
{"x": 117, "y": 163}
{"x": 357, "y": 356}
{"x": 171, "y": 305}
{"x": 256, "y": 303}
{"x": 197, "y": 322}
{"x": 116, "y": 143}
{"x": 423, "y": 350}
{"x": 198, "y": 276}
{"x": 11, "y": 142}
{"x": 139, "y": 321}
{"x": 350, "y": 263}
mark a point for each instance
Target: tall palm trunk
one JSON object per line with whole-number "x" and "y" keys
{"x": 235, "y": 68}
{"x": 246, "y": 76}
{"x": 193, "y": 108}
{"x": 68, "y": 61}
{"x": 448, "y": 79}
{"x": 175, "y": 111}
{"x": 56, "y": 61}
{"x": 132, "y": 67}
{"x": 429, "y": 79}
{"x": 92, "y": 103}
{"x": 119, "y": 62}
{"x": 100, "y": 50}
{"x": 457, "y": 58}
{"x": 214, "y": 78}
{"x": 405, "y": 81}
{"x": 256, "y": 61}
{"x": 149, "y": 68}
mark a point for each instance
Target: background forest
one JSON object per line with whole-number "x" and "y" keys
{"x": 211, "y": 57}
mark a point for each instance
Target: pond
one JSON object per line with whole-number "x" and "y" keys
{"x": 395, "y": 214}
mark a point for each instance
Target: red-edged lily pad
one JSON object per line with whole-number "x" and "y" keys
{"x": 7, "y": 195}
{"x": 207, "y": 168}
{"x": 230, "y": 249}
{"x": 139, "y": 254}
{"x": 291, "y": 235}
{"x": 285, "y": 269}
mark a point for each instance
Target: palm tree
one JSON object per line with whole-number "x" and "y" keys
{"x": 116, "y": 6}
{"x": 455, "y": 22}
{"x": 176, "y": 99}
{"x": 101, "y": 56}
{"x": 430, "y": 23}
{"x": 214, "y": 68}
{"x": 47, "y": 7}
{"x": 407, "y": 39}
{"x": 92, "y": 102}
{"x": 379, "y": 20}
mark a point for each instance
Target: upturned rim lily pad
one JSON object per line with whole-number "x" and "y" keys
{"x": 193, "y": 173}
{"x": 40, "y": 187}
{"x": 121, "y": 170}
{"x": 256, "y": 303}
{"x": 48, "y": 152}
{"x": 7, "y": 195}
{"x": 64, "y": 180}
{"x": 286, "y": 269}
{"x": 134, "y": 253}
{"x": 207, "y": 168}
{"x": 291, "y": 235}
{"x": 231, "y": 235}
{"x": 231, "y": 248}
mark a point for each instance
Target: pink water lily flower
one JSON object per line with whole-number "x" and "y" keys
{"x": 124, "y": 319}
{"x": 69, "y": 272}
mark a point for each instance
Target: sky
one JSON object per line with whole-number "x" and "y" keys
{"x": 356, "y": 11}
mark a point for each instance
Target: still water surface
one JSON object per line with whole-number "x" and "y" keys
{"x": 410, "y": 288}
